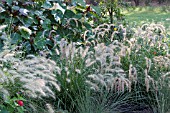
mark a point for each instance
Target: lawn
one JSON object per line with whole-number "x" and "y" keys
{"x": 143, "y": 14}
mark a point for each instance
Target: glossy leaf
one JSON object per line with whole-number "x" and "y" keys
{"x": 47, "y": 5}
{"x": 69, "y": 14}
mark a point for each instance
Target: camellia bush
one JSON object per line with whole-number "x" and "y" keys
{"x": 39, "y": 25}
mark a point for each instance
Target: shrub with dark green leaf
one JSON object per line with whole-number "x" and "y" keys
{"x": 36, "y": 26}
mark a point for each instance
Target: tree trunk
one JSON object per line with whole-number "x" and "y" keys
{"x": 161, "y": 1}
{"x": 111, "y": 16}
{"x": 136, "y": 2}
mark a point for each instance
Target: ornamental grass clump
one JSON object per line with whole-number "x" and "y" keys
{"x": 105, "y": 33}
{"x": 97, "y": 68}
{"x": 31, "y": 77}
{"x": 148, "y": 59}
{"x": 109, "y": 73}
{"x": 101, "y": 61}
{"x": 133, "y": 63}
